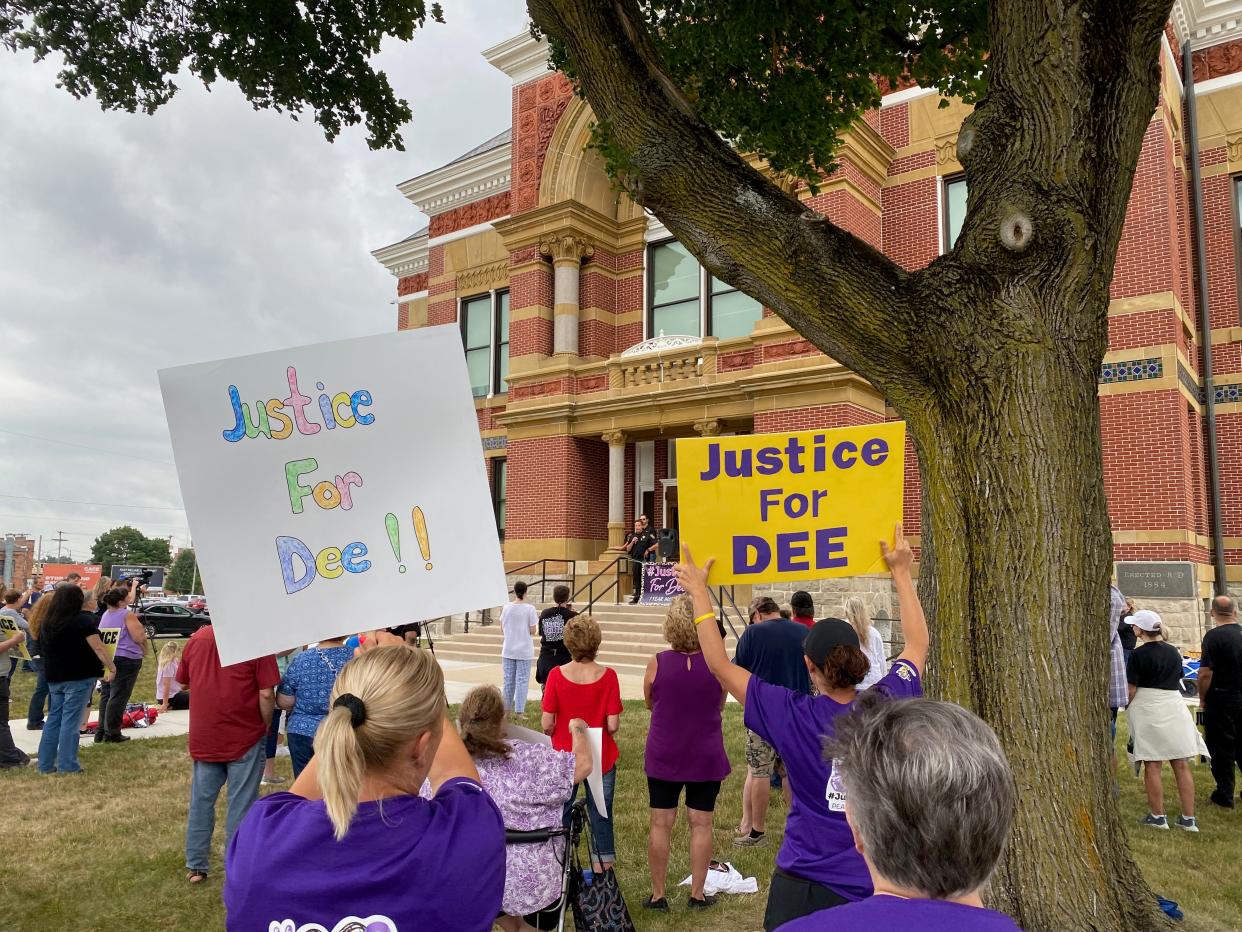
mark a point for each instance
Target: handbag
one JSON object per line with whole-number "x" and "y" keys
{"x": 596, "y": 897}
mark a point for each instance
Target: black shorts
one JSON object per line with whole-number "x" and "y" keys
{"x": 700, "y": 795}
{"x": 791, "y": 898}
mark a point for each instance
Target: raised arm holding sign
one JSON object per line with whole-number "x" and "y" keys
{"x": 899, "y": 558}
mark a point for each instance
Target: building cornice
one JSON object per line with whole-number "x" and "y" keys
{"x": 1206, "y": 22}
{"x": 522, "y": 58}
{"x": 408, "y": 257}
{"x": 460, "y": 182}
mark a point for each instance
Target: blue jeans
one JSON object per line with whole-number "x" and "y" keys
{"x": 58, "y": 747}
{"x": 301, "y": 750}
{"x": 243, "y": 778}
{"x": 601, "y": 828}
{"x": 516, "y": 683}
{"x": 34, "y": 717}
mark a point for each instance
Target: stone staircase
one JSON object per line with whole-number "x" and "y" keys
{"x": 632, "y": 635}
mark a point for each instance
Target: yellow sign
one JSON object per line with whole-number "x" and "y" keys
{"x": 8, "y": 628}
{"x": 110, "y": 636}
{"x": 809, "y": 504}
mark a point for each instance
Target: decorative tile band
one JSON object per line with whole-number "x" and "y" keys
{"x": 1131, "y": 370}
{"x": 495, "y": 443}
{"x": 1231, "y": 392}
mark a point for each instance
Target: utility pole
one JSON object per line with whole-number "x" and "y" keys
{"x": 60, "y": 540}
{"x": 194, "y": 578}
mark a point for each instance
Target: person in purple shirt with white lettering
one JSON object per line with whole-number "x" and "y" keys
{"x": 356, "y": 846}
{"x": 818, "y": 865}
{"x": 930, "y": 799}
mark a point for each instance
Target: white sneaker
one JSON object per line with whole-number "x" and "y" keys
{"x": 1155, "y": 821}
{"x": 1187, "y": 823}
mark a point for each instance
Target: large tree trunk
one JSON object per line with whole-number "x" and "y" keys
{"x": 992, "y": 356}
{"x": 1016, "y": 543}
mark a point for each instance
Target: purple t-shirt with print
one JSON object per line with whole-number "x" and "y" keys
{"x": 406, "y": 864}
{"x": 891, "y": 912}
{"x": 818, "y": 845}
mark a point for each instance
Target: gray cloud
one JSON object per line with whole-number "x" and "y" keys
{"x": 130, "y": 243}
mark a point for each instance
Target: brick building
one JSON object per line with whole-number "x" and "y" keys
{"x": 21, "y": 550}
{"x": 594, "y": 339}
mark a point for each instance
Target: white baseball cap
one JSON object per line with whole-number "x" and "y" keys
{"x": 1146, "y": 619}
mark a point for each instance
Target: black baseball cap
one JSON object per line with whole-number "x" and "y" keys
{"x": 826, "y": 634}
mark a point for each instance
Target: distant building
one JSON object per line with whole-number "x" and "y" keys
{"x": 21, "y": 549}
{"x": 593, "y": 339}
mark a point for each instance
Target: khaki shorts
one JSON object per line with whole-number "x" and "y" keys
{"x": 760, "y": 756}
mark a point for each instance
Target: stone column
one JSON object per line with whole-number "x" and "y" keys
{"x": 616, "y": 488}
{"x": 566, "y": 252}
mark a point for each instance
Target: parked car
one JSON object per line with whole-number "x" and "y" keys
{"x": 169, "y": 619}
{"x": 197, "y": 604}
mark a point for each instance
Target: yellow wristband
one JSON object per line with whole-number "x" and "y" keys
{"x": 705, "y": 617}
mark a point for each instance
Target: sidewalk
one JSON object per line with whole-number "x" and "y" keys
{"x": 168, "y": 725}
{"x": 459, "y": 678}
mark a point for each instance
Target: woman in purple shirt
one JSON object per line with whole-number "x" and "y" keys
{"x": 685, "y": 748}
{"x": 356, "y": 845}
{"x": 818, "y": 865}
{"x": 131, "y": 645}
{"x": 930, "y": 799}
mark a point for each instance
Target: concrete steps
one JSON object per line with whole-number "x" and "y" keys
{"x": 632, "y": 635}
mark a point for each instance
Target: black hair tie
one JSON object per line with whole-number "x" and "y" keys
{"x": 357, "y": 710}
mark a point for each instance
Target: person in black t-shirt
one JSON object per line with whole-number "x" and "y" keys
{"x": 73, "y": 658}
{"x": 1220, "y": 694}
{"x": 552, "y": 649}
{"x": 1161, "y": 728}
{"x": 638, "y": 544}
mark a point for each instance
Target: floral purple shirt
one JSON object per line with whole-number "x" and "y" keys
{"x": 530, "y": 789}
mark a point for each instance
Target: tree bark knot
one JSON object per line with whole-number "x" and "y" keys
{"x": 1016, "y": 231}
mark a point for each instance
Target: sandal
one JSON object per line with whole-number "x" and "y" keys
{"x": 196, "y": 876}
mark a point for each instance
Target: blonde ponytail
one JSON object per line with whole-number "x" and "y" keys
{"x": 856, "y": 614}
{"x": 393, "y": 695}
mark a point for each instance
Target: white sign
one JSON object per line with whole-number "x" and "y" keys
{"x": 334, "y": 488}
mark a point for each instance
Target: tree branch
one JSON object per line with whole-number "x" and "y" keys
{"x": 840, "y": 293}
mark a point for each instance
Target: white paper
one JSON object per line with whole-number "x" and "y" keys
{"x": 405, "y": 437}
{"x": 518, "y": 733}
{"x": 595, "y": 782}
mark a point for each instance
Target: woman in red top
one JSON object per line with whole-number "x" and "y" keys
{"x": 584, "y": 689}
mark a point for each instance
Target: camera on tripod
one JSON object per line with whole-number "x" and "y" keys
{"x": 143, "y": 578}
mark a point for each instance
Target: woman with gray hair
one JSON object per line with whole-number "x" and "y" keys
{"x": 930, "y": 799}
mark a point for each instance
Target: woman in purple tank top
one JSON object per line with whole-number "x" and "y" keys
{"x": 685, "y": 748}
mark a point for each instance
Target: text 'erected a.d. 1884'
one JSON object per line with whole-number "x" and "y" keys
{"x": 1157, "y": 580}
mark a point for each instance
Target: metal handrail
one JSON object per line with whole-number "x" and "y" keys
{"x": 719, "y": 595}
{"x": 544, "y": 579}
{"x": 589, "y": 588}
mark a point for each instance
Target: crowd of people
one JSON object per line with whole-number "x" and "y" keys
{"x": 898, "y": 806}
{"x": 406, "y": 812}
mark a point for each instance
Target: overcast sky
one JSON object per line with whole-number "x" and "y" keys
{"x": 130, "y": 243}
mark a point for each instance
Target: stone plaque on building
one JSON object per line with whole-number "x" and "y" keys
{"x": 1157, "y": 580}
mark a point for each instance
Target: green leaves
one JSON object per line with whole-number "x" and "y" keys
{"x": 282, "y": 54}
{"x": 783, "y": 78}
{"x": 127, "y": 545}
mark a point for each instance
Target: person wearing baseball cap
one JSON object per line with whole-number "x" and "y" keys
{"x": 818, "y": 865}
{"x": 1161, "y": 728}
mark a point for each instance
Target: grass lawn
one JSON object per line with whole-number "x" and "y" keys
{"x": 104, "y": 850}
